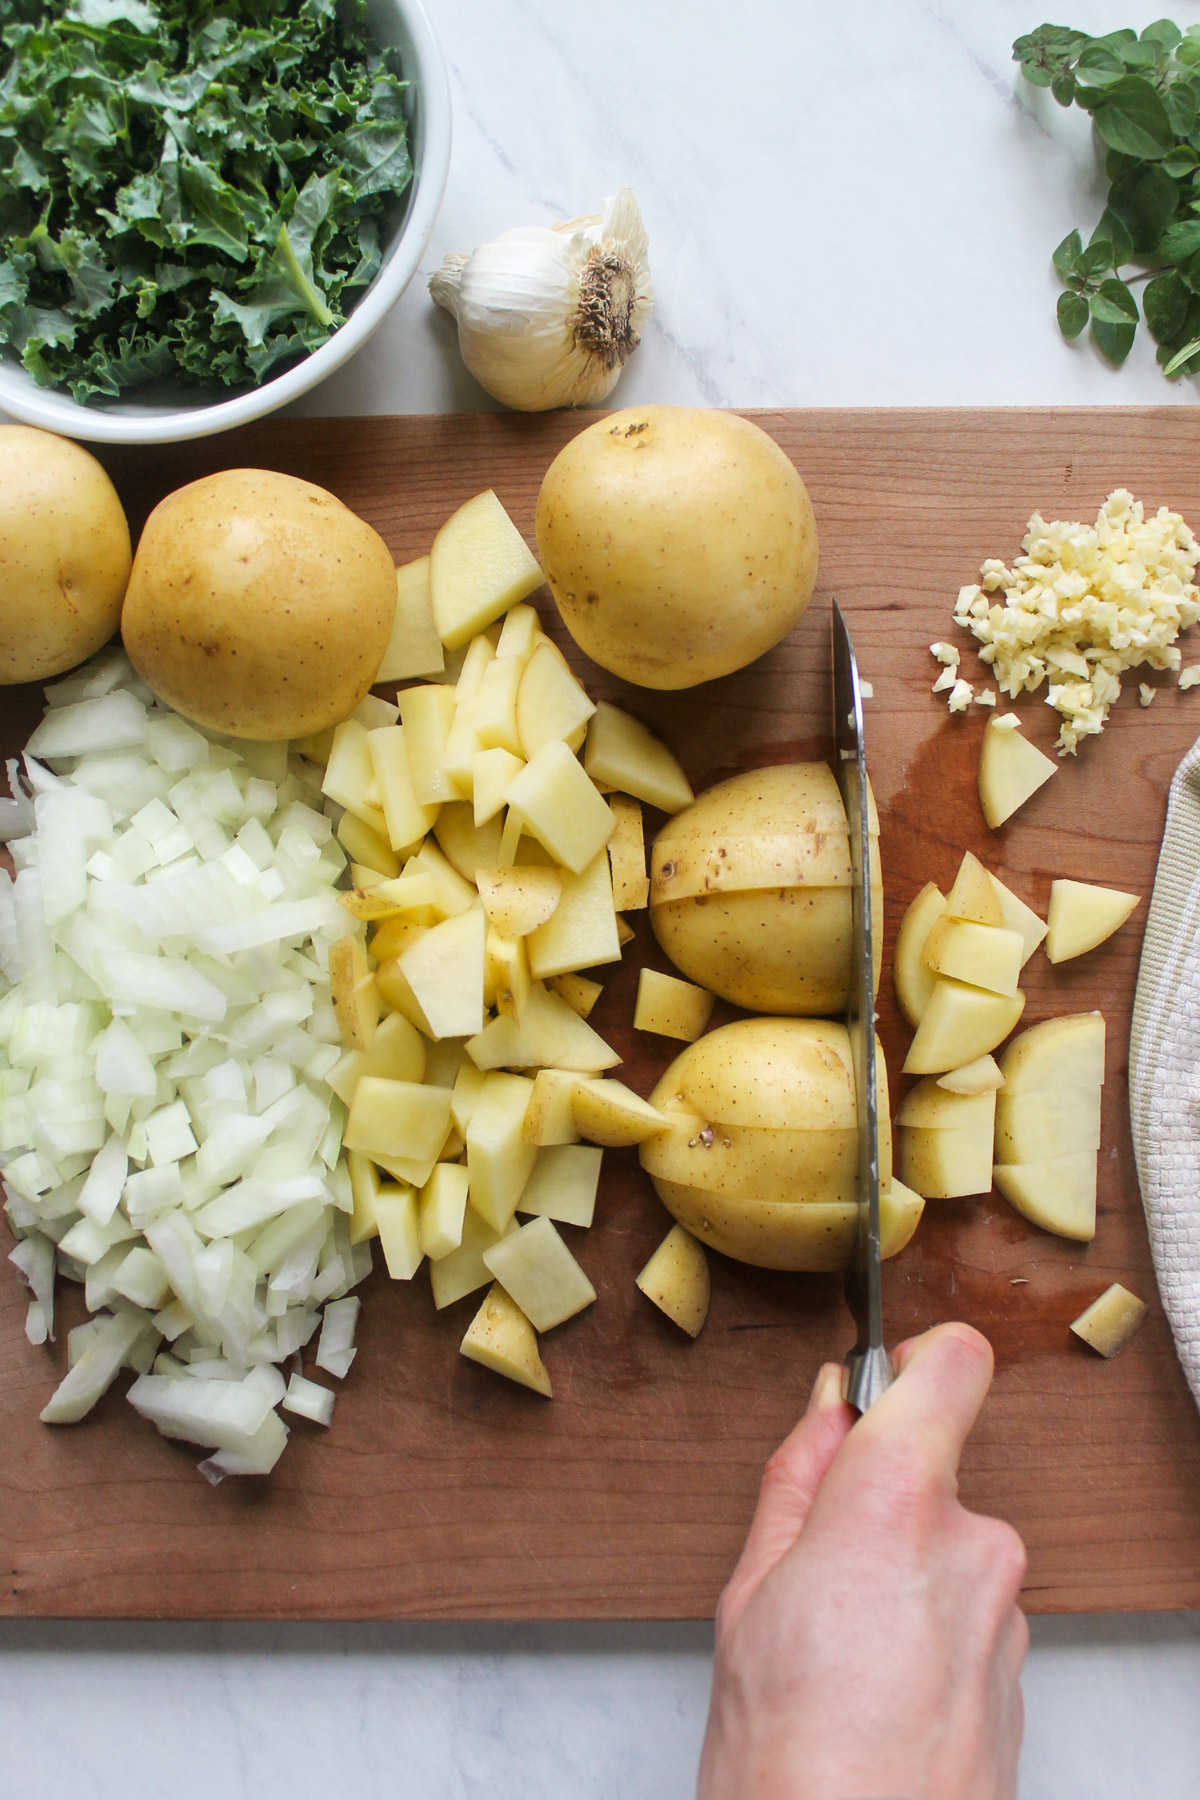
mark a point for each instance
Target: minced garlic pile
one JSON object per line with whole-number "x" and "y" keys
{"x": 1083, "y": 605}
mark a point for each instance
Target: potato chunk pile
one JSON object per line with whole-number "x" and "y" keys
{"x": 490, "y": 865}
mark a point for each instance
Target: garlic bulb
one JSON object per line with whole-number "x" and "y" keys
{"x": 549, "y": 315}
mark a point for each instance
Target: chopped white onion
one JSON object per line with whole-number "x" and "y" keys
{"x": 310, "y": 1400}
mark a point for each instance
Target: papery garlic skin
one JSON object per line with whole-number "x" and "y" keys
{"x": 549, "y": 315}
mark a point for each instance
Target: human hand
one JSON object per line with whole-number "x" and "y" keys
{"x": 869, "y": 1643}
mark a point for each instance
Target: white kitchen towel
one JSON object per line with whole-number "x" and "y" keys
{"x": 1164, "y": 1067}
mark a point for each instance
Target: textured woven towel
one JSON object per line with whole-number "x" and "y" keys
{"x": 1164, "y": 1067}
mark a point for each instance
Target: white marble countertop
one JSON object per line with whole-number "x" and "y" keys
{"x": 847, "y": 205}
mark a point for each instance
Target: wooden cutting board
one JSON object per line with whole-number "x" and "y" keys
{"x": 442, "y": 1491}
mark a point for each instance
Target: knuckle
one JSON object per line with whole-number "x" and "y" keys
{"x": 1003, "y": 1553}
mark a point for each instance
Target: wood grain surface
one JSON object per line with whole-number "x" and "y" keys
{"x": 442, "y": 1491}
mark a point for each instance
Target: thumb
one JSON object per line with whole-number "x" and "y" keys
{"x": 789, "y": 1487}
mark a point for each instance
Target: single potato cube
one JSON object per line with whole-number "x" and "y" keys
{"x": 627, "y": 855}
{"x": 479, "y": 566}
{"x": 406, "y": 819}
{"x": 579, "y": 993}
{"x": 478, "y": 658}
{"x": 1109, "y": 1322}
{"x": 670, "y": 1007}
{"x": 518, "y": 900}
{"x": 397, "y": 1119}
{"x": 946, "y": 1141}
{"x": 607, "y": 1112}
{"x": 452, "y": 892}
{"x": 399, "y": 1232}
{"x": 627, "y": 757}
{"x": 496, "y": 706}
{"x": 625, "y": 932}
{"x": 397, "y": 1052}
{"x": 414, "y": 648}
{"x": 1082, "y": 916}
{"x": 501, "y": 1338}
{"x": 559, "y": 806}
{"x": 550, "y": 1036}
{"x": 1011, "y": 770}
{"x": 1058, "y": 1194}
{"x": 676, "y": 1280}
{"x": 462, "y": 1271}
{"x": 550, "y": 1119}
{"x": 1016, "y": 916}
{"x": 393, "y": 986}
{"x": 973, "y": 895}
{"x": 364, "y": 1188}
{"x": 413, "y": 1171}
{"x": 912, "y": 975}
{"x": 582, "y": 930}
{"x": 519, "y": 633}
{"x": 349, "y": 773}
{"x": 960, "y": 1023}
{"x": 427, "y": 713}
{"x": 536, "y": 1268}
{"x": 979, "y": 1077}
{"x": 442, "y": 1208}
{"x": 499, "y": 1158}
{"x": 563, "y": 1184}
{"x": 363, "y": 844}
{"x": 463, "y": 745}
{"x": 508, "y": 978}
{"x": 464, "y": 1097}
{"x": 445, "y": 970}
{"x": 551, "y": 705}
{"x": 353, "y": 991}
{"x": 985, "y": 955}
{"x": 1062, "y": 1053}
{"x": 491, "y": 772}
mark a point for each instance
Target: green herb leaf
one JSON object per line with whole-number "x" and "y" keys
{"x": 1063, "y": 87}
{"x": 1068, "y": 253}
{"x": 1099, "y": 67}
{"x": 1131, "y": 117}
{"x": 1165, "y": 305}
{"x": 1179, "y": 241}
{"x": 1164, "y": 32}
{"x": 1113, "y": 304}
{"x": 1112, "y": 230}
{"x": 1144, "y": 198}
{"x": 1180, "y": 102}
{"x": 1113, "y": 341}
{"x": 1073, "y": 314}
{"x": 1095, "y": 260}
{"x": 1182, "y": 160}
{"x": 1186, "y": 360}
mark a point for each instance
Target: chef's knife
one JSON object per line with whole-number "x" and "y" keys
{"x": 868, "y": 1366}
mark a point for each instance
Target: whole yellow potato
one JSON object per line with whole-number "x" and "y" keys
{"x": 750, "y": 890}
{"x": 678, "y": 543}
{"x": 259, "y": 605}
{"x": 761, "y": 1159}
{"x": 64, "y": 554}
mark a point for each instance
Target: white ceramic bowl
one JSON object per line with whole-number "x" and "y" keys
{"x": 173, "y": 412}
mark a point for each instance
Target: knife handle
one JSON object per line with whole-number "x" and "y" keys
{"x": 869, "y": 1373}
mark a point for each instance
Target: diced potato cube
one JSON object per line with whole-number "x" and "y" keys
{"x": 406, "y": 818}
{"x": 550, "y": 1119}
{"x": 551, "y": 704}
{"x": 624, "y": 755}
{"x": 959, "y": 1023}
{"x": 468, "y": 1085}
{"x": 1011, "y": 770}
{"x": 550, "y": 1036}
{"x": 462, "y": 747}
{"x": 397, "y": 1118}
{"x": 979, "y": 1077}
{"x": 670, "y": 1007}
{"x": 1109, "y": 1322}
{"x": 607, "y": 1112}
{"x": 973, "y": 895}
{"x": 395, "y": 992}
{"x": 582, "y": 930}
{"x": 414, "y": 648}
{"x": 1058, "y": 1194}
{"x": 519, "y": 633}
{"x": 452, "y": 892}
{"x": 445, "y": 970}
{"x": 1016, "y": 916}
{"x": 987, "y": 956}
{"x": 397, "y": 1052}
{"x": 499, "y": 1159}
{"x": 491, "y": 772}
{"x": 363, "y": 844}
{"x": 462, "y": 1271}
{"x": 518, "y": 900}
{"x": 500, "y": 1337}
{"x": 427, "y": 714}
{"x": 563, "y": 1184}
{"x": 559, "y": 806}
{"x": 479, "y": 566}
{"x": 1081, "y": 916}
{"x": 364, "y": 1188}
{"x": 676, "y": 1279}
{"x": 627, "y": 855}
{"x": 507, "y": 974}
{"x": 399, "y": 1232}
{"x": 579, "y": 993}
{"x": 409, "y": 1171}
{"x": 442, "y": 1210}
{"x": 625, "y": 933}
{"x": 467, "y": 846}
{"x": 349, "y": 773}
{"x": 536, "y": 1268}
{"x": 481, "y": 652}
{"x": 496, "y": 707}
{"x": 353, "y": 991}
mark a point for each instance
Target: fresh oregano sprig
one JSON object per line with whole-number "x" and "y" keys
{"x": 1143, "y": 93}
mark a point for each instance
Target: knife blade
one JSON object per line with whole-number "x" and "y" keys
{"x": 868, "y": 1366}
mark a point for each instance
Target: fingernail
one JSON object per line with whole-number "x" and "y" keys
{"x": 827, "y": 1388}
